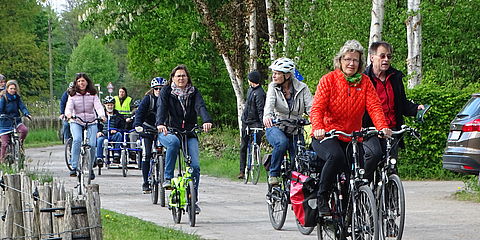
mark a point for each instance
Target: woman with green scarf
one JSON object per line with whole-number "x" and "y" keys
{"x": 341, "y": 98}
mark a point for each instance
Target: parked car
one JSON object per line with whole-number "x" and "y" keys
{"x": 462, "y": 153}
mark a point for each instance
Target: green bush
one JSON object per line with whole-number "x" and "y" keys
{"x": 420, "y": 160}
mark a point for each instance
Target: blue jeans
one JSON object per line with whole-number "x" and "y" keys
{"x": 66, "y": 131}
{"x": 77, "y": 134}
{"x": 280, "y": 143}
{"x": 117, "y": 137}
{"x": 172, "y": 143}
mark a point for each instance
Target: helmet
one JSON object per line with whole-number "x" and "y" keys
{"x": 108, "y": 99}
{"x": 285, "y": 65}
{"x": 137, "y": 103}
{"x": 158, "y": 82}
{"x": 70, "y": 85}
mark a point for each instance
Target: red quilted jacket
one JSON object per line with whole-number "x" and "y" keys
{"x": 337, "y": 105}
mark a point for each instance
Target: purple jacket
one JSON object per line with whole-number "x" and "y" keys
{"x": 84, "y": 106}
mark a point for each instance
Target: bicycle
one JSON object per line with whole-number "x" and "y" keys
{"x": 278, "y": 196}
{"x": 68, "y": 153}
{"x": 389, "y": 191}
{"x": 157, "y": 167}
{"x": 183, "y": 196}
{"x": 84, "y": 168}
{"x": 125, "y": 148}
{"x": 252, "y": 169}
{"x": 14, "y": 154}
{"x": 359, "y": 218}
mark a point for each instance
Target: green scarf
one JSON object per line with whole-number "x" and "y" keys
{"x": 355, "y": 79}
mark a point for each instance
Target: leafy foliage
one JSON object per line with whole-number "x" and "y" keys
{"x": 93, "y": 58}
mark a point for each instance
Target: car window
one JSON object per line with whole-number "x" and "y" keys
{"x": 471, "y": 108}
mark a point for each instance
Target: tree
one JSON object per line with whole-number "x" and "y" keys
{"x": 93, "y": 58}
{"x": 376, "y": 27}
{"x": 414, "y": 41}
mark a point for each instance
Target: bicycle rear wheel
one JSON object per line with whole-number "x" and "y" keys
{"x": 68, "y": 153}
{"x": 304, "y": 230}
{"x": 191, "y": 200}
{"x": 277, "y": 207}
{"x": 331, "y": 227}
{"x": 392, "y": 214}
{"x": 161, "y": 179}
{"x": 365, "y": 218}
{"x": 255, "y": 166}
{"x": 153, "y": 179}
{"x": 123, "y": 161}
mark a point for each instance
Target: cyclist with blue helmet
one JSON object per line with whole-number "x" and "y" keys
{"x": 145, "y": 119}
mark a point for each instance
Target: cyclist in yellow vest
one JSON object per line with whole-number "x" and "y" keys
{"x": 122, "y": 102}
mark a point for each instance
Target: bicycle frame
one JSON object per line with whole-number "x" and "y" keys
{"x": 253, "y": 156}
{"x": 13, "y": 148}
{"x": 180, "y": 182}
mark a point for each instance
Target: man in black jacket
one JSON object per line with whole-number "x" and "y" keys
{"x": 252, "y": 116}
{"x": 389, "y": 87}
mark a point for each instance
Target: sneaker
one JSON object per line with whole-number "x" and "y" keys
{"x": 197, "y": 209}
{"x": 100, "y": 162}
{"x": 92, "y": 175}
{"x": 146, "y": 188}
{"x": 273, "y": 180}
{"x": 73, "y": 173}
{"x": 167, "y": 184}
{"x": 323, "y": 208}
{"x": 241, "y": 175}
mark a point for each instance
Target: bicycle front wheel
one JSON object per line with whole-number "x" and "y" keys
{"x": 392, "y": 212}
{"x": 364, "y": 218}
{"x": 123, "y": 160}
{"x": 175, "y": 205}
{"x": 191, "y": 200}
{"x": 255, "y": 166}
{"x": 68, "y": 153}
{"x": 277, "y": 207}
{"x": 153, "y": 178}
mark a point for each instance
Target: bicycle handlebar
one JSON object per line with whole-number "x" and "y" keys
{"x": 354, "y": 135}
{"x": 87, "y": 122}
{"x": 298, "y": 122}
{"x": 196, "y": 129}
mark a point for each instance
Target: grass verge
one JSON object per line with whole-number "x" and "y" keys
{"x": 119, "y": 227}
{"x": 41, "y": 138}
{"x": 471, "y": 192}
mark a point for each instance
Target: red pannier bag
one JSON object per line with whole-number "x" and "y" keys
{"x": 303, "y": 196}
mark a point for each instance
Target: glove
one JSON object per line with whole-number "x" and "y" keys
{"x": 139, "y": 128}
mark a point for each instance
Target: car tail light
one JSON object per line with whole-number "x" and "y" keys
{"x": 467, "y": 167}
{"x": 472, "y": 126}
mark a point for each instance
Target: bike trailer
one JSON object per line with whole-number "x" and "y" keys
{"x": 303, "y": 196}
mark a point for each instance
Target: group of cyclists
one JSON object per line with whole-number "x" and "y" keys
{"x": 348, "y": 99}
{"x": 173, "y": 103}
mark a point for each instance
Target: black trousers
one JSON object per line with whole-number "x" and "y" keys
{"x": 148, "y": 142}
{"x": 375, "y": 148}
{"x": 244, "y": 146}
{"x": 336, "y": 157}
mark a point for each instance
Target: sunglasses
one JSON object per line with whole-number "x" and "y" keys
{"x": 387, "y": 56}
{"x": 157, "y": 88}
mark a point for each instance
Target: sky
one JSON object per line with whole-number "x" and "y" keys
{"x": 58, "y": 5}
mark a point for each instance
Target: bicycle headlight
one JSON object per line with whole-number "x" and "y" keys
{"x": 361, "y": 171}
{"x": 190, "y": 170}
{"x": 393, "y": 161}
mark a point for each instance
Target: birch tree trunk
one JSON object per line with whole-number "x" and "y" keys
{"x": 414, "y": 41}
{"x": 252, "y": 36}
{"x": 286, "y": 30}
{"x": 376, "y": 26}
{"x": 306, "y": 29}
{"x": 271, "y": 30}
{"x": 234, "y": 71}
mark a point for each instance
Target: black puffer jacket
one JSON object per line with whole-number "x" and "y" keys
{"x": 253, "y": 112}
{"x": 170, "y": 111}
{"x": 113, "y": 121}
{"x": 146, "y": 112}
{"x": 403, "y": 107}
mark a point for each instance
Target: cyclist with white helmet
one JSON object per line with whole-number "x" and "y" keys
{"x": 105, "y": 130}
{"x": 287, "y": 98}
{"x": 145, "y": 119}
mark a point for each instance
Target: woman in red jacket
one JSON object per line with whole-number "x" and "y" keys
{"x": 341, "y": 98}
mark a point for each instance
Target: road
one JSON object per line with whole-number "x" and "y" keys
{"x": 233, "y": 210}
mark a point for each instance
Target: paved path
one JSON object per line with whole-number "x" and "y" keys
{"x": 233, "y": 210}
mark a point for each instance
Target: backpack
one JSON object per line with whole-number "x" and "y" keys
{"x": 303, "y": 196}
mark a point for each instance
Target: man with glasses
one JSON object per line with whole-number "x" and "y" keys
{"x": 389, "y": 87}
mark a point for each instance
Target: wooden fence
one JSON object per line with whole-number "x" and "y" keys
{"x": 43, "y": 122}
{"x": 31, "y": 210}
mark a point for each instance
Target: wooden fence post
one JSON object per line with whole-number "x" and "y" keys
{"x": 80, "y": 218}
{"x": 45, "y": 217}
{"x": 9, "y": 222}
{"x": 3, "y": 208}
{"x": 93, "y": 211}
{"x": 27, "y": 203}
{"x": 14, "y": 199}
{"x": 67, "y": 218}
